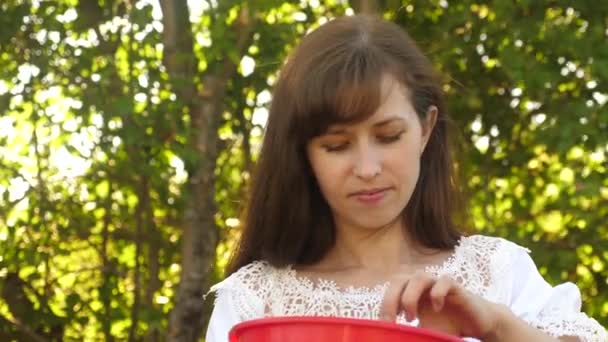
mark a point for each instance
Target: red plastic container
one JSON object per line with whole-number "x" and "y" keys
{"x": 330, "y": 329}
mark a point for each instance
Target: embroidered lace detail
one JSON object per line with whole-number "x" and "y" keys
{"x": 481, "y": 264}
{"x": 470, "y": 266}
{"x": 323, "y": 298}
{"x": 557, "y": 323}
{"x": 249, "y": 289}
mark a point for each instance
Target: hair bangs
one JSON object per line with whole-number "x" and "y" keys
{"x": 345, "y": 92}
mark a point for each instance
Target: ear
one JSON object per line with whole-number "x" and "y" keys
{"x": 428, "y": 123}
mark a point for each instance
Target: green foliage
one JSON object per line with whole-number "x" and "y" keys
{"x": 96, "y": 150}
{"x": 96, "y": 153}
{"x": 527, "y": 89}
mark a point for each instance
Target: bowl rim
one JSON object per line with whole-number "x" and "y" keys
{"x": 245, "y": 325}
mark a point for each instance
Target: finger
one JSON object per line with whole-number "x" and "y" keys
{"x": 440, "y": 290}
{"x": 420, "y": 283}
{"x": 392, "y": 299}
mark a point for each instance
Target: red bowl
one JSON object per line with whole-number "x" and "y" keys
{"x": 331, "y": 329}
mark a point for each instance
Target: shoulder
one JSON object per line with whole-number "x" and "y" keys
{"x": 484, "y": 263}
{"x": 243, "y": 295}
{"x": 497, "y": 253}
{"x": 253, "y": 277}
{"x": 489, "y": 249}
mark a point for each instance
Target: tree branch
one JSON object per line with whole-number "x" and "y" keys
{"x": 24, "y": 328}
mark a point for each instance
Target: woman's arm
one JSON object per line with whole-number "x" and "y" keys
{"x": 552, "y": 309}
{"x": 512, "y": 328}
{"x": 223, "y": 318}
{"x": 232, "y": 299}
{"x": 444, "y": 305}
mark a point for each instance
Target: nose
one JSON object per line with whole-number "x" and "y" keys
{"x": 367, "y": 164}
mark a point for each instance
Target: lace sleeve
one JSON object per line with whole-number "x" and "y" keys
{"x": 554, "y": 310}
{"x": 224, "y": 315}
{"x": 240, "y": 297}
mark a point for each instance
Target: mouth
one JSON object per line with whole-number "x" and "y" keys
{"x": 370, "y": 196}
{"x": 368, "y": 191}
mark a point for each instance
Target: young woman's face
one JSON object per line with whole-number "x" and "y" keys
{"x": 367, "y": 171}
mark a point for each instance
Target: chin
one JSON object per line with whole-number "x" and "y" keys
{"x": 377, "y": 224}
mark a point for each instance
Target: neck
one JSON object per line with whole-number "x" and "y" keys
{"x": 382, "y": 250}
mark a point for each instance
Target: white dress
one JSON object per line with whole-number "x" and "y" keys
{"x": 496, "y": 269}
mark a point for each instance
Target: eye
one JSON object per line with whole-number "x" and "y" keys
{"x": 386, "y": 139}
{"x": 337, "y": 147}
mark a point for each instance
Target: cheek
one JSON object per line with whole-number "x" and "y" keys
{"x": 329, "y": 173}
{"x": 406, "y": 162}
{"x": 326, "y": 171}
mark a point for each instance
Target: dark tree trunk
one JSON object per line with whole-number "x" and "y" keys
{"x": 200, "y": 235}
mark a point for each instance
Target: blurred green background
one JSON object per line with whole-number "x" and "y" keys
{"x": 128, "y": 129}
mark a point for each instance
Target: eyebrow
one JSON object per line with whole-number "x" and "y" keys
{"x": 340, "y": 130}
{"x": 387, "y": 121}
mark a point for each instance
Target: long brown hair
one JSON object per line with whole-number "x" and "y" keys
{"x": 334, "y": 76}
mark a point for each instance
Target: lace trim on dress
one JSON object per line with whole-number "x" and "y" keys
{"x": 282, "y": 292}
{"x": 558, "y": 324}
{"x": 479, "y": 263}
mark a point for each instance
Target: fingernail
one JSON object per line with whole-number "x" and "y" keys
{"x": 436, "y": 306}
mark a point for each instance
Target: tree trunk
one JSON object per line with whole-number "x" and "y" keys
{"x": 366, "y": 6}
{"x": 200, "y": 235}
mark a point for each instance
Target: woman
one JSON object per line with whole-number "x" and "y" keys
{"x": 353, "y": 206}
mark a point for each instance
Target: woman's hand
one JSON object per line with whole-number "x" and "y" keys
{"x": 441, "y": 304}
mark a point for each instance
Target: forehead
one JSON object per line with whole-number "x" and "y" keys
{"x": 396, "y": 100}
{"x": 347, "y": 92}
{"x": 395, "y": 107}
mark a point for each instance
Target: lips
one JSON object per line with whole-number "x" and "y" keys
{"x": 370, "y": 196}
{"x": 368, "y": 192}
